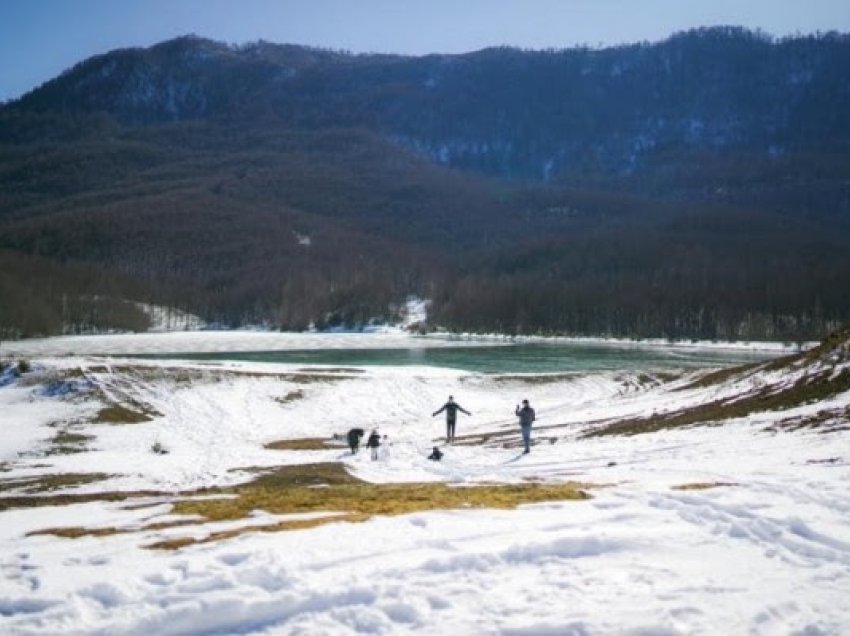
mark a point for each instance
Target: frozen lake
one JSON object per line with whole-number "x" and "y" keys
{"x": 516, "y": 358}
{"x": 482, "y": 355}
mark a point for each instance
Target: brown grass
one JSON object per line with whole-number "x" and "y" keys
{"x": 306, "y": 443}
{"x": 77, "y": 532}
{"x": 67, "y": 499}
{"x": 121, "y": 414}
{"x": 65, "y": 443}
{"x": 704, "y": 485}
{"x": 44, "y": 483}
{"x": 293, "y": 489}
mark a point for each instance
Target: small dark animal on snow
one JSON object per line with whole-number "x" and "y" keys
{"x": 353, "y": 437}
{"x": 436, "y": 454}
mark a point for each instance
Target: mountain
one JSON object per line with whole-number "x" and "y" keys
{"x": 502, "y": 111}
{"x": 697, "y": 187}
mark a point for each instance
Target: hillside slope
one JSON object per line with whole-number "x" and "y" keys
{"x": 697, "y": 187}
{"x": 810, "y": 390}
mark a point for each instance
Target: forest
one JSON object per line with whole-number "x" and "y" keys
{"x": 694, "y": 188}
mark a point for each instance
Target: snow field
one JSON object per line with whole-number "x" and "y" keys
{"x": 769, "y": 554}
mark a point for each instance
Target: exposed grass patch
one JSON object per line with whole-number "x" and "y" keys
{"x": 646, "y": 380}
{"x": 65, "y": 443}
{"x": 307, "y": 443}
{"x": 121, "y": 414}
{"x": 68, "y": 499}
{"x": 292, "y": 489}
{"x": 64, "y": 450}
{"x": 44, "y": 483}
{"x": 64, "y": 437}
{"x": 286, "y": 490}
{"x": 77, "y": 532}
{"x": 705, "y": 485}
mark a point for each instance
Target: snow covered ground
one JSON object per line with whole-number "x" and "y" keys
{"x": 220, "y": 341}
{"x": 766, "y": 553}
{"x": 164, "y": 319}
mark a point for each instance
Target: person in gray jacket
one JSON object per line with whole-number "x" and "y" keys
{"x": 526, "y": 418}
{"x": 451, "y": 408}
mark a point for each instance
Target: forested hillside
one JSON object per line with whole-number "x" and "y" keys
{"x": 698, "y": 187}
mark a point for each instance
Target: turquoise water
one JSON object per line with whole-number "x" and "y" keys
{"x": 523, "y": 358}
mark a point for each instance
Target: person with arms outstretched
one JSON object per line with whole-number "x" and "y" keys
{"x": 451, "y": 408}
{"x": 526, "y": 417}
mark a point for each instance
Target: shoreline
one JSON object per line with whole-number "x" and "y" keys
{"x": 227, "y": 341}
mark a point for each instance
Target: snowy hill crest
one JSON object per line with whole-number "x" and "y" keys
{"x": 806, "y": 390}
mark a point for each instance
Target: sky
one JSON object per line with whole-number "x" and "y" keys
{"x": 41, "y": 38}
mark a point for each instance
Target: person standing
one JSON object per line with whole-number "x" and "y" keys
{"x": 374, "y": 442}
{"x": 526, "y": 417}
{"x": 451, "y": 408}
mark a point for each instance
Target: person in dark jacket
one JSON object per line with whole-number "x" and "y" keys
{"x": 374, "y": 442}
{"x": 436, "y": 454}
{"x": 353, "y": 437}
{"x": 451, "y": 408}
{"x": 526, "y": 418}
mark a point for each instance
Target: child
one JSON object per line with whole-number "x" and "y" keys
{"x": 436, "y": 454}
